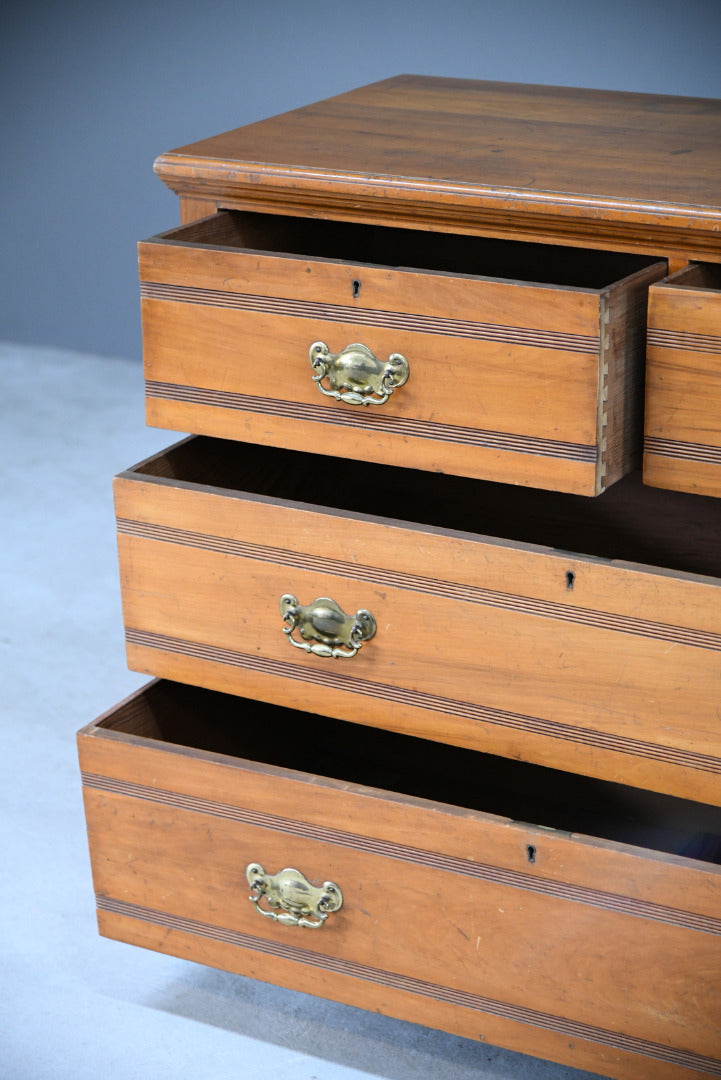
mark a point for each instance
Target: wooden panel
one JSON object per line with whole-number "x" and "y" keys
{"x": 247, "y": 495}
{"x": 683, "y": 393}
{"x": 512, "y": 381}
{"x": 122, "y": 744}
{"x": 458, "y": 382}
{"x": 467, "y": 452}
{"x": 493, "y": 651}
{"x": 210, "y": 256}
{"x": 191, "y": 209}
{"x": 578, "y": 959}
{"x": 497, "y": 1027}
{"x": 591, "y": 167}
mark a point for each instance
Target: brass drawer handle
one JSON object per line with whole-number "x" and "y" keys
{"x": 325, "y": 628}
{"x": 355, "y": 375}
{"x": 300, "y": 903}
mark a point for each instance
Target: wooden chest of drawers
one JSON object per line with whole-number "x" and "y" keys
{"x": 440, "y": 675}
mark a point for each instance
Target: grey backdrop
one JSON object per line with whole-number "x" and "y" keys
{"x": 92, "y": 92}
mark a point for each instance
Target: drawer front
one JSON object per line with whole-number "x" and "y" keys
{"x": 683, "y": 393}
{"x": 476, "y": 642}
{"x": 500, "y": 379}
{"x": 595, "y": 954}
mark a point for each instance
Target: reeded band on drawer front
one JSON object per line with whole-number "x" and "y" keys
{"x": 467, "y": 710}
{"x": 548, "y": 1021}
{"x": 526, "y": 605}
{"x": 683, "y": 339}
{"x": 436, "y": 860}
{"x": 388, "y": 425}
{"x": 390, "y": 320}
{"x": 686, "y": 451}
{"x": 361, "y": 419}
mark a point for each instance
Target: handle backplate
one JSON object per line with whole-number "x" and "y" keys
{"x": 325, "y": 628}
{"x": 290, "y": 899}
{"x": 355, "y": 375}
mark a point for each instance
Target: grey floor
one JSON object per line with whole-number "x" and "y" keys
{"x": 73, "y": 1005}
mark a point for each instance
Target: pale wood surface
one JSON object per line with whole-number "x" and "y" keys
{"x": 479, "y": 621}
{"x": 590, "y": 167}
{"x": 683, "y": 383}
{"x": 565, "y": 954}
{"x": 122, "y": 744}
{"x": 191, "y": 209}
{"x": 460, "y": 1020}
{"x": 232, "y": 253}
{"x": 509, "y": 370}
{"x": 680, "y": 474}
{"x": 460, "y": 382}
{"x": 331, "y": 437}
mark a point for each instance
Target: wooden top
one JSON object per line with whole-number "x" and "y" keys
{"x": 603, "y": 168}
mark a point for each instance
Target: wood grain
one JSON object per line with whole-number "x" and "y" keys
{"x": 683, "y": 383}
{"x": 586, "y": 167}
{"x": 599, "y": 898}
{"x": 191, "y": 209}
{"x": 517, "y": 369}
{"x": 460, "y": 655}
{"x": 245, "y": 731}
{"x": 169, "y": 861}
{"x": 494, "y": 1024}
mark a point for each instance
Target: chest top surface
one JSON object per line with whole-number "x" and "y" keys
{"x": 617, "y": 169}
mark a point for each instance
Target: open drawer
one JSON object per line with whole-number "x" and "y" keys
{"x": 400, "y": 599}
{"x": 514, "y": 362}
{"x": 412, "y": 882}
{"x": 683, "y": 391}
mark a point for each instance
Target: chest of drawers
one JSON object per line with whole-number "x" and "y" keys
{"x": 436, "y": 730}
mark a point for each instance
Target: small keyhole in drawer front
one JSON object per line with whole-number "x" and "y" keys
{"x": 570, "y": 579}
{"x": 531, "y": 853}
{"x": 356, "y": 288}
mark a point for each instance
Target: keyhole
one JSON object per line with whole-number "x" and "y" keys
{"x": 356, "y": 288}
{"x": 531, "y": 853}
{"x": 570, "y": 579}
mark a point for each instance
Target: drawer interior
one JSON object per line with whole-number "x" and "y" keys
{"x": 706, "y": 276}
{"x": 186, "y": 716}
{"x": 630, "y": 522}
{"x": 446, "y": 253}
